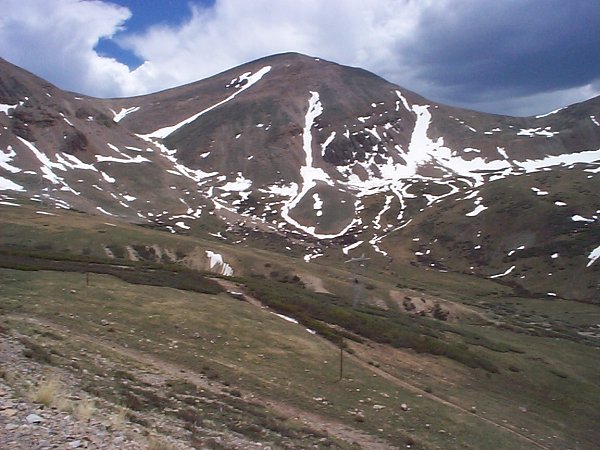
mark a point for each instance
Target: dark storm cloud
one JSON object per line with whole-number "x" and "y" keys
{"x": 480, "y": 51}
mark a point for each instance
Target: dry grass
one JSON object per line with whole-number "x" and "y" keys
{"x": 48, "y": 392}
{"x": 156, "y": 443}
{"x": 118, "y": 419}
{"x": 84, "y": 409}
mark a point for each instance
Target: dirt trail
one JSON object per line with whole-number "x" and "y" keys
{"x": 395, "y": 380}
{"x": 403, "y": 384}
{"x": 237, "y": 291}
{"x": 336, "y": 429}
{"x": 313, "y": 282}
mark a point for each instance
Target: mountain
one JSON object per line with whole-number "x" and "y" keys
{"x": 329, "y": 160}
{"x": 295, "y": 254}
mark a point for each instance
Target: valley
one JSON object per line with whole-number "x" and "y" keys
{"x": 296, "y": 254}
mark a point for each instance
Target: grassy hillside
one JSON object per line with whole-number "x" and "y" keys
{"x": 179, "y": 346}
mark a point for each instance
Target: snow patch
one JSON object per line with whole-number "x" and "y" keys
{"x": 346, "y": 249}
{"x": 549, "y": 114}
{"x": 103, "y": 211}
{"x": 72, "y": 162}
{"x": 125, "y": 159}
{"x": 248, "y": 76}
{"x": 502, "y": 152}
{"x": 318, "y": 204}
{"x": 283, "y": 190}
{"x": 593, "y": 256}
{"x": 4, "y": 108}
{"x": 6, "y": 158}
{"x": 310, "y": 175}
{"x": 539, "y": 191}
{"x": 240, "y": 184}
{"x": 107, "y": 178}
{"x": 328, "y": 141}
{"x": 503, "y": 274}
{"x": 118, "y": 116}
{"x": 565, "y": 159}
{"x": 478, "y": 208}
{"x": 532, "y": 132}
{"x": 578, "y": 218}
{"x": 289, "y": 319}
{"x": 47, "y": 165}
{"x": 217, "y": 263}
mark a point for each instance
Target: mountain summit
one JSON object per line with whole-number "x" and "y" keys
{"x": 332, "y": 158}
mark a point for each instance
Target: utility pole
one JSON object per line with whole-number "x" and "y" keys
{"x": 358, "y": 265}
{"x": 357, "y": 282}
{"x": 42, "y": 195}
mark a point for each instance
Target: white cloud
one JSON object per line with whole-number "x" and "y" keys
{"x": 235, "y": 31}
{"x": 56, "y": 40}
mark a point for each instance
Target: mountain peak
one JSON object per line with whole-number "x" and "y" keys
{"x": 289, "y": 144}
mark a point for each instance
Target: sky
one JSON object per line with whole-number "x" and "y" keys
{"x": 516, "y": 57}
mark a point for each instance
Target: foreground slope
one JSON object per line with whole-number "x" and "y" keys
{"x": 202, "y": 360}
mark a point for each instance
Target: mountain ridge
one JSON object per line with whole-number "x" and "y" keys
{"x": 297, "y": 146}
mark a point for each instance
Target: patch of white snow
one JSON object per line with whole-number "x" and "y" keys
{"x": 118, "y": 116}
{"x": 593, "y": 256}
{"x": 578, "y": 218}
{"x": 503, "y": 274}
{"x": 250, "y": 79}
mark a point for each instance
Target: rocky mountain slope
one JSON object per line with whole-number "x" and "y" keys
{"x": 333, "y": 159}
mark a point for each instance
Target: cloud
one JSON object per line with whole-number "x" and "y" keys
{"x": 487, "y": 51}
{"x": 56, "y": 39}
{"x": 513, "y": 56}
{"x": 234, "y": 31}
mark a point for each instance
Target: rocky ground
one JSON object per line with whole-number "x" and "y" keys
{"x": 27, "y": 425}
{"x": 42, "y": 408}
{"x": 43, "y": 404}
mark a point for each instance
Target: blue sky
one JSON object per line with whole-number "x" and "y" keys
{"x": 144, "y": 14}
{"x": 519, "y": 57}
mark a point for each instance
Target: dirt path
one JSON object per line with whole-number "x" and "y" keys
{"x": 403, "y": 384}
{"x": 334, "y": 428}
{"x": 237, "y": 291}
{"x": 393, "y": 379}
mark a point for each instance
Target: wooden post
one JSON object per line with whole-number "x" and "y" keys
{"x": 341, "y": 357}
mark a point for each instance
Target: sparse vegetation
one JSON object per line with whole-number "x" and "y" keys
{"x": 391, "y": 328}
{"x": 48, "y": 391}
{"x": 84, "y": 409}
{"x": 240, "y": 352}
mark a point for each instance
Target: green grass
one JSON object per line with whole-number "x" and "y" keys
{"x": 529, "y": 348}
{"x": 395, "y": 329}
{"x": 246, "y": 347}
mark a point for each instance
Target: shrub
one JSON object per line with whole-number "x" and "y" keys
{"x": 84, "y": 409}
{"x": 35, "y": 351}
{"x": 47, "y": 392}
{"x": 118, "y": 418}
{"x": 156, "y": 443}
